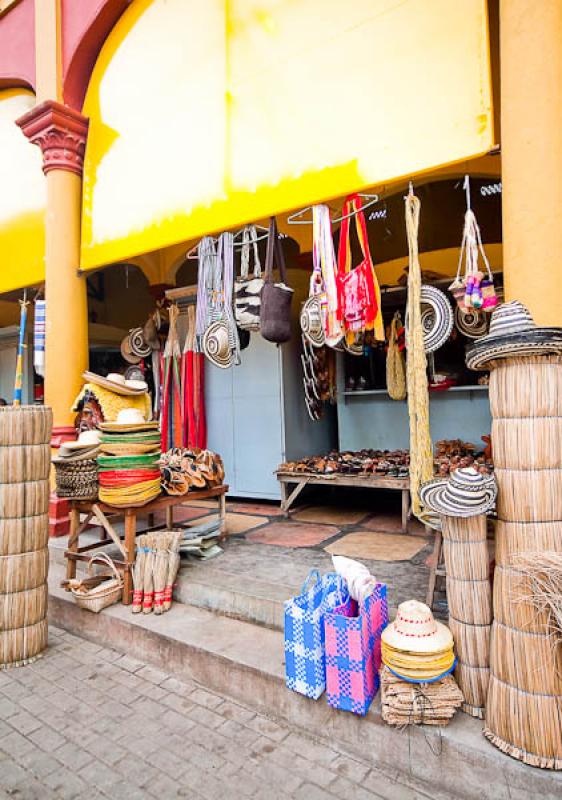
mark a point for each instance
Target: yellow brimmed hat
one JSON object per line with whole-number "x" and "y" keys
{"x": 416, "y": 631}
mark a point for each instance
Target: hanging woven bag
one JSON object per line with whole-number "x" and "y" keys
{"x": 247, "y": 291}
{"x": 395, "y": 366}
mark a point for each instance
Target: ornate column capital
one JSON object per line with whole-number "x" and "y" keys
{"x": 61, "y": 134}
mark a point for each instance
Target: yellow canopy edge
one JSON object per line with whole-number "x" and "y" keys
{"x": 22, "y": 198}
{"x": 204, "y": 116}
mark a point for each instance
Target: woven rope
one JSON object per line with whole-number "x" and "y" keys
{"x": 421, "y": 454}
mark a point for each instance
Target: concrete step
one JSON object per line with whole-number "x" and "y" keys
{"x": 245, "y": 661}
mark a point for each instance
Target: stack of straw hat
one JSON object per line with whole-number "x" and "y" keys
{"x": 415, "y": 647}
{"x": 129, "y": 474}
{"x": 76, "y": 467}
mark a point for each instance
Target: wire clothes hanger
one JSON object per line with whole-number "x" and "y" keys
{"x": 295, "y": 219}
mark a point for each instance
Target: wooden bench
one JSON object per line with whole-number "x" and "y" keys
{"x": 302, "y": 479}
{"x": 105, "y": 514}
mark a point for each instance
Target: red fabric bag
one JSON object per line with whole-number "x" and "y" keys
{"x": 359, "y": 297}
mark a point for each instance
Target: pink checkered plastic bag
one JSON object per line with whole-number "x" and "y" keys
{"x": 353, "y": 651}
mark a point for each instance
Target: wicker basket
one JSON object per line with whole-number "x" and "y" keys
{"x": 98, "y": 591}
{"x": 77, "y": 480}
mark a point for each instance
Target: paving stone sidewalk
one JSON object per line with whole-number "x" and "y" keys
{"x": 88, "y": 722}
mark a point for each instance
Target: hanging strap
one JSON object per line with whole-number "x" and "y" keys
{"x": 274, "y": 253}
{"x": 352, "y": 208}
{"x": 249, "y": 239}
{"x": 207, "y": 261}
{"x": 225, "y": 276}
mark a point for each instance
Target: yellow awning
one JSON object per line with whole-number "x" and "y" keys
{"x": 22, "y": 197}
{"x": 207, "y": 115}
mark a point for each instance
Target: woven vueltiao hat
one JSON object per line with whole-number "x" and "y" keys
{"x": 436, "y": 317}
{"x": 472, "y": 323}
{"x": 466, "y": 493}
{"x": 513, "y": 333}
{"x": 216, "y": 345}
{"x": 416, "y": 631}
{"x": 311, "y": 322}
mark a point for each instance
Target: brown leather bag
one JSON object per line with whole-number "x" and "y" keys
{"x": 276, "y": 298}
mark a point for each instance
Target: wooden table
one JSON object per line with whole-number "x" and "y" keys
{"x": 302, "y": 479}
{"x": 101, "y": 512}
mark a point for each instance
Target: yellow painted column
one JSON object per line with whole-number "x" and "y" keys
{"x": 531, "y": 125}
{"x": 61, "y": 133}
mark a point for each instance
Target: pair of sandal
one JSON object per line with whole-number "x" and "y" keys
{"x": 183, "y": 468}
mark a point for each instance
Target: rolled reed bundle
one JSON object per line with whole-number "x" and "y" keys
{"x": 25, "y": 425}
{"x": 529, "y": 495}
{"x": 24, "y": 499}
{"x": 526, "y": 660}
{"x": 518, "y": 537}
{"x": 23, "y": 535}
{"x": 475, "y": 682}
{"x": 469, "y": 598}
{"x": 24, "y": 571}
{"x": 470, "y": 601}
{"x": 509, "y": 587}
{"x": 525, "y": 726}
{"x": 21, "y": 609}
{"x": 523, "y": 711}
{"x": 19, "y": 464}
{"x": 25, "y": 435}
{"x": 472, "y": 642}
{"x": 526, "y": 387}
{"x": 19, "y": 646}
{"x": 466, "y": 562}
{"x": 545, "y": 434}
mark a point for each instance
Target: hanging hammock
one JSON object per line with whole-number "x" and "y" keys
{"x": 421, "y": 451}
{"x": 172, "y": 417}
{"x": 18, "y": 383}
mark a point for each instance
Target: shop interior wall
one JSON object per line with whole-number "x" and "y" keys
{"x": 119, "y": 296}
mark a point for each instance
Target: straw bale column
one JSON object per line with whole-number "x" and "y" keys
{"x": 25, "y": 461}
{"x": 524, "y": 705}
{"x": 469, "y": 596}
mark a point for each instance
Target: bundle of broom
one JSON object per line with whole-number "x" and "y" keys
{"x": 156, "y": 566}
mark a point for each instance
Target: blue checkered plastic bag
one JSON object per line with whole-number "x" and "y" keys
{"x": 305, "y": 660}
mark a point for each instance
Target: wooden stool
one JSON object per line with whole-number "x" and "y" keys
{"x": 437, "y": 569}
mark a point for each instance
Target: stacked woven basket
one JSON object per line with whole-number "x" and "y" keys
{"x": 129, "y": 474}
{"x": 25, "y": 460}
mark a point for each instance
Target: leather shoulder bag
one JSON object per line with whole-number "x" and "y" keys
{"x": 275, "y": 317}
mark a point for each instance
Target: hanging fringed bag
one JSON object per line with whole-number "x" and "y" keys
{"x": 359, "y": 297}
{"x": 395, "y": 366}
{"x": 474, "y": 290}
{"x": 276, "y": 302}
{"x": 247, "y": 291}
{"x": 325, "y": 270}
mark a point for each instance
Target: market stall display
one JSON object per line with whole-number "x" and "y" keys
{"x": 462, "y": 502}
{"x": 523, "y": 705}
{"x": 452, "y": 454}
{"x": 102, "y": 398}
{"x": 25, "y": 435}
{"x": 183, "y": 469}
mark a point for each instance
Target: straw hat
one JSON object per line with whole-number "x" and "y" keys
{"x": 437, "y": 318}
{"x": 127, "y": 353}
{"x": 415, "y": 630}
{"x": 114, "y": 382}
{"x": 216, "y": 345}
{"x": 137, "y": 343}
{"x": 311, "y": 322}
{"x": 513, "y": 332}
{"x": 466, "y": 493}
{"x": 472, "y": 323}
{"x": 86, "y": 439}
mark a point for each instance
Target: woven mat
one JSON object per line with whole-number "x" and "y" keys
{"x": 237, "y": 523}
{"x": 329, "y": 515}
{"x": 377, "y": 546}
